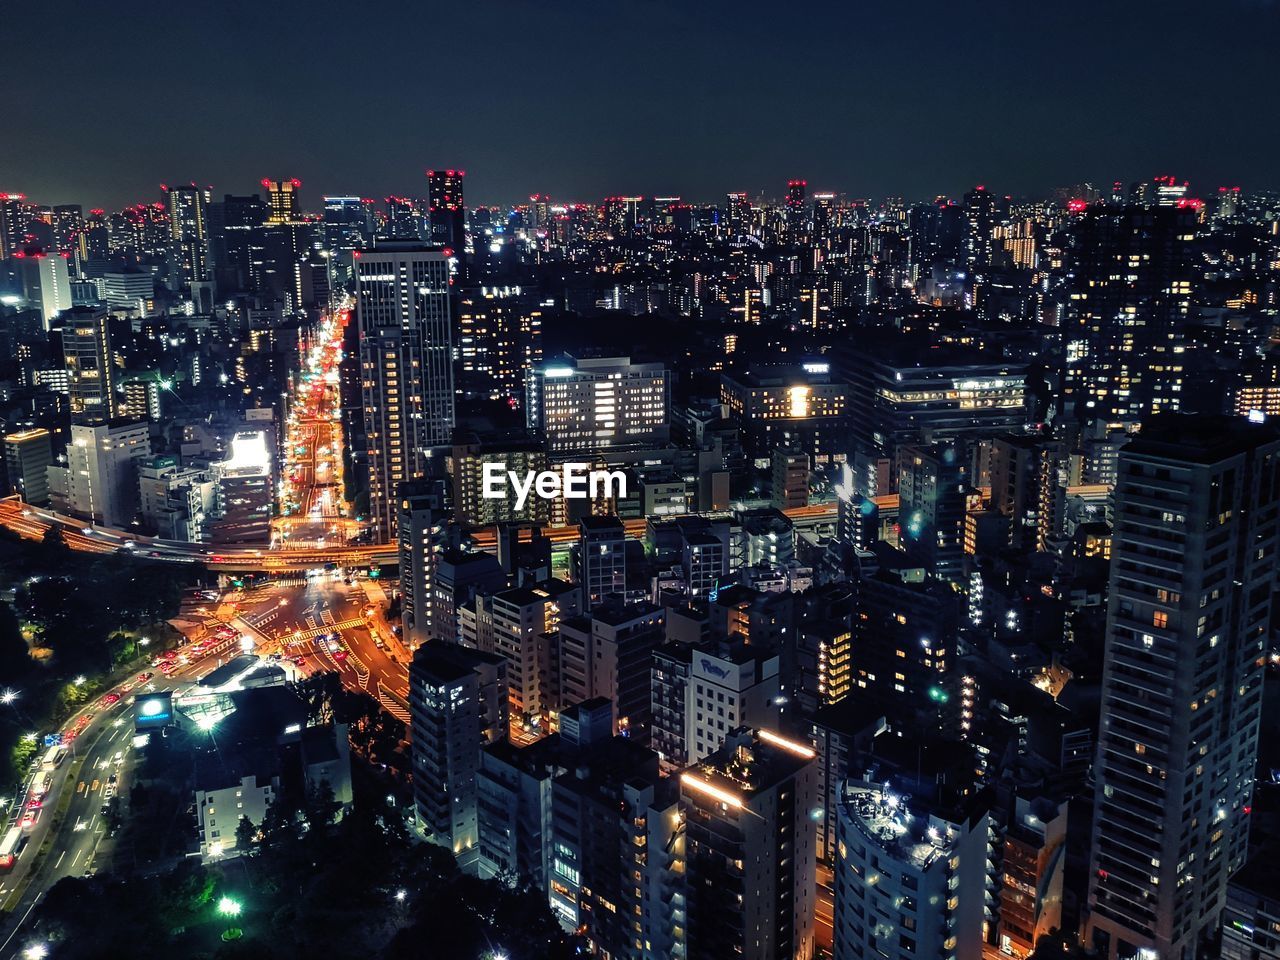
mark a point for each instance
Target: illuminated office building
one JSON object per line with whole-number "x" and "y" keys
{"x": 100, "y": 479}
{"x": 282, "y": 201}
{"x": 799, "y": 408}
{"x": 28, "y": 454}
{"x": 46, "y": 284}
{"x": 598, "y": 403}
{"x": 909, "y": 390}
{"x": 245, "y": 491}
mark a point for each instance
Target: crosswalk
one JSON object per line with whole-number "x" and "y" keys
{"x": 392, "y": 703}
{"x": 328, "y": 627}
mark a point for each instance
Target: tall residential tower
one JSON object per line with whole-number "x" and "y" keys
{"x": 406, "y": 371}
{"x": 1193, "y": 570}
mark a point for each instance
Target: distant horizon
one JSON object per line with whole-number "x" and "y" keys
{"x": 311, "y": 201}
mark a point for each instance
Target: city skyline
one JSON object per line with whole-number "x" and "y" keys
{"x": 688, "y": 101}
{"x": 644, "y": 481}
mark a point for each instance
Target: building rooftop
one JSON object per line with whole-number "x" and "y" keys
{"x": 601, "y": 524}
{"x": 885, "y": 818}
{"x": 1203, "y": 438}
{"x": 445, "y": 662}
{"x": 749, "y": 762}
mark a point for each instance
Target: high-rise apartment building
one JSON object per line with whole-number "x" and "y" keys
{"x": 458, "y": 703}
{"x": 189, "y": 237}
{"x": 424, "y": 532}
{"x": 406, "y": 369}
{"x": 499, "y": 342}
{"x": 1193, "y": 569}
{"x": 1129, "y": 299}
{"x": 910, "y": 882}
{"x": 933, "y": 484}
{"x": 1026, "y": 488}
{"x": 750, "y": 858}
{"x": 86, "y": 350}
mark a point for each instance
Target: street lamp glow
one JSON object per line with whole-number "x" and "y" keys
{"x": 228, "y": 907}
{"x": 79, "y": 681}
{"x": 37, "y": 951}
{"x": 8, "y": 696}
{"x": 400, "y": 895}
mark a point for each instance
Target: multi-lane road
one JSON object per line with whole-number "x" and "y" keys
{"x": 311, "y": 511}
{"x": 72, "y": 836}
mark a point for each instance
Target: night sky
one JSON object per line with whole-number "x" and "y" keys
{"x": 670, "y": 97}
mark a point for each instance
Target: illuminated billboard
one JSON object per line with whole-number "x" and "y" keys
{"x": 154, "y": 710}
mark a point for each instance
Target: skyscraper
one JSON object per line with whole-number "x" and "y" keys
{"x": 448, "y": 210}
{"x": 402, "y": 310}
{"x": 188, "y": 233}
{"x": 1192, "y": 576}
{"x": 86, "y": 349}
{"x": 282, "y": 200}
{"x": 1129, "y": 299}
{"x": 796, "y": 192}
{"x": 979, "y": 226}
{"x": 737, "y": 212}
{"x": 15, "y": 213}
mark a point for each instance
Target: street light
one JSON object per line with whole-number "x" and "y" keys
{"x": 79, "y": 681}
{"x": 36, "y": 951}
{"x": 8, "y": 696}
{"x": 230, "y": 909}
